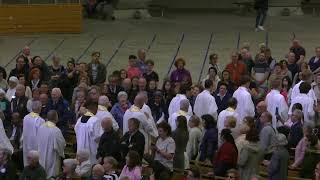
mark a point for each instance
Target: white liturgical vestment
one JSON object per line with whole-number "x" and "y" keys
{"x": 31, "y": 125}
{"x": 51, "y": 148}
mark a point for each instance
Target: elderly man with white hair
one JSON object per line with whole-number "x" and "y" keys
{"x": 120, "y": 108}
{"x": 19, "y": 101}
{"x": 184, "y": 106}
{"x": 83, "y": 168}
{"x": 34, "y": 170}
{"x": 31, "y": 125}
{"x": 51, "y": 145}
{"x": 62, "y": 107}
{"x": 103, "y": 112}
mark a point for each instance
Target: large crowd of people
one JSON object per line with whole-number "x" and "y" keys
{"x": 255, "y": 112}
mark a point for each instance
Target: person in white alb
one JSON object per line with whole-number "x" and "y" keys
{"x": 230, "y": 111}
{"x": 103, "y": 112}
{"x": 245, "y": 106}
{"x": 277, "y": 105}
{"x": 306, "y": 76}
{"x": 146, "y": 109}
{"x": 205, "y": 103}
{"x": 87, "y": 131}
{"x": 174, "y": 105}
{"x": 51, "y": 145}
{"x": 307, "y": 104}
{"x": 31, "y": 125}
{"x": 146, "y": 126}
{"x": 184, "y": 106}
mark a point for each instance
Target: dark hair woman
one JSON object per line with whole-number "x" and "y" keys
{"x": 227, "y": 154}
{"x": 181, "y": 137}
{"x": 209, "y": 143}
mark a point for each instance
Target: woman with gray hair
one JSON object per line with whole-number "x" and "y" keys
{"x": 83, "y": 168}
{"x": 69, "y": 167}
{"x": 120, "y": 108}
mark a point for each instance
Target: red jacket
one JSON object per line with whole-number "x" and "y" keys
{"x": 227, "y": 154}
{"x": 236, "y": 71}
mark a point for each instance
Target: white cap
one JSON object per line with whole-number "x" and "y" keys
{"x": 14, "y": 79}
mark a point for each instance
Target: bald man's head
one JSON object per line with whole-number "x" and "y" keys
{"x": 139, "y": 100}
{"x": 261, "y": 107}
{"x": 52, "y": 116}
{"x": 104, "y": 101}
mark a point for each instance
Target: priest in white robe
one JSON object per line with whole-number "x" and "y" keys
{"x": 184, "y": 106}
{"x": 306, "y": 102}
{"x": 146, "y": 125}
{"x": 277, "y": 105}
{"x": 4, "y": 140}
{"x": 245, "y": 106}
{"x": 51, "y": 145}
{"x": 306, "y": 76}
{"x": 103, "y": 113}
{"x": 230, "y": 111}
{"x": 205, "y": 103}
{"x": 31, "y": 125}
{"x": 146, "y": 109}
{"x": 87, "y": 131}
{"x": 174, "y": 105}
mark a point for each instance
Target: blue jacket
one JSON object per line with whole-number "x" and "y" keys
{"x": 209, "y": 144}
{"x": 117, "y": 113}
{"x": 64, "y": 113}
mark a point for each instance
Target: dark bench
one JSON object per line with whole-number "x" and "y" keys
{"x": 314, "y": 6}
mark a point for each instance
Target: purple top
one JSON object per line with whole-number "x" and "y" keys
{"x": 134, "y": 174}
{"x": 118, "y": 113}
{"x": 180, "y": 75}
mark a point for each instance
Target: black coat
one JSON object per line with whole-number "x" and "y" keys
{"x": 20, "y": 106}
{"x": 109, "y": 145}
{"x": 261, "y": 4}
{"x": 135, "y": 143}
{"x": 9, "y": 171}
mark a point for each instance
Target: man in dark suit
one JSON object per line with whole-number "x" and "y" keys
{"x": 109, "y": 144}
{"x": 296, "y": 132}
{"x": 19, "y": 102}
{"x": 14, "y": 133}
{"x": 113, "y": 89}
{"x": 133, "y": 139}
{"x": 222, "y": 97}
